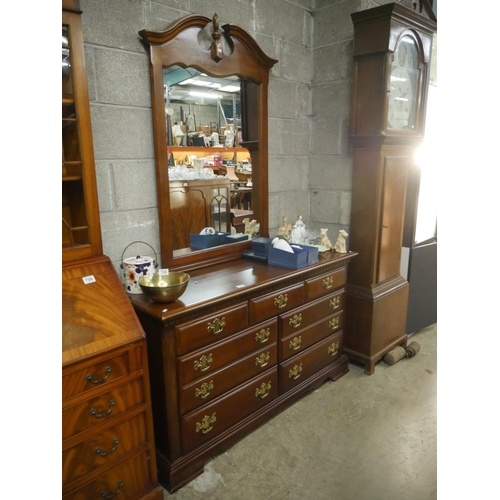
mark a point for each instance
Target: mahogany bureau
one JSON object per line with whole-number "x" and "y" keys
{"x": 243, "y": 341}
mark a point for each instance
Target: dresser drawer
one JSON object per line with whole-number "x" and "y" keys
{"x": 326, "y": 283}
{"x": 124, "y": 481}
{"x": 275, "y": 303}
{"x": 95, "y": 375}
{"x": 211, "y": 328}
{"x": 304, "y": 316}
{"x": 302, "y": 339}
{"x": 306, "y": 364}
{"x": 208, "y": 388}
{"x": 103, "y": 448}
{"x": 95, "y": 411}
{"x": 207, "y": 422}
{"x": 210, "y": 359}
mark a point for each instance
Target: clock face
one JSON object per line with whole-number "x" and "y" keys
{"x": 403, "y": 86}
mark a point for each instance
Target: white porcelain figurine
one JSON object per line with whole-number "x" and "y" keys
{"x": 325, "y": 241}
{"x": 340, "y": 243}
{"x": 299, "y": 233}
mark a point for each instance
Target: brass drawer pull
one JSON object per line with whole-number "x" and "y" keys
{"x": 101, "y": 453}
{"x": 89, "y": 378}
{"x": 334, "y": 323}
{"x": 334, "y": 348}
{"x": 281, "y": 300}
{"x": 217, "y": 326}
{"x": 262, "y": 360}
{"x": 335, "y": 303}
{"x": 94, "y": 413}
{"x": 204, "y": 391}
{"x": 263, "y": 391}
{"x": 328, "y": 282}
{"x": 295, "y": 343}
{"x": 207, "y": 423}
{"x": 295, "y": 372}
{"x": 204, "y": 363}
{"x": 103, "y": 494}
{"x": 263, "y": 335}
{"x": 295, "y": 320}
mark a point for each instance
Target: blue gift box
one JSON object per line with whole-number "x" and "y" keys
{"x": 281, "y": 258}
{"x": 200, "y": 241}
{"x": 233, "y": 238}
{"x": 312, "y": 254}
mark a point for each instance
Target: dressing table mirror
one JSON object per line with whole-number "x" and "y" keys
{"x": 200, "y": 45}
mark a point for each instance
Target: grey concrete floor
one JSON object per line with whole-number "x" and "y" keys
{"x": 359, "y": 438}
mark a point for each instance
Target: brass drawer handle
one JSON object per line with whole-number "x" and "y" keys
{"x": 207, "y": 423}
{"x": 295, "y": 320}
{"x": 334, "y": 348}
{"x": 101, "y": 453}
{"x": 204, "y": 391}
{"x": 295, "y": 343}
{"x": 94, "y": 413}
{"x": 263, "y": 335}
{"x": 335, "y": 303}
{"x": 262, "y": 360}
{"x": 89, "y": 378}
{"x": 295, "y": 372}
{"x": 263, "y": 391}
{"x": 328, "y": 282}
{"x": 103, "y": 494}
{"x": 204, "y": 363}
{"x": 334, "y": 323}
{"x": 281, "y": 300}
{"x": 216, "y": 326}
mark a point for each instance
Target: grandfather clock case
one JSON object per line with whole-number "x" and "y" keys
{"x": 392, "y": 49}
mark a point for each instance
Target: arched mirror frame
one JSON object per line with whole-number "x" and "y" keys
{"x": 178, "y": 45}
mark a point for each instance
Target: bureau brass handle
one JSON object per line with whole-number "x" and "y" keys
{"x": 207, "y": 423}
{"x": 216, "y": 326}
{"x": 101, "y": 453}
{"x": 295, "y": 372}
{"x": 262, "y": 360}
{"x": 89, "y": 378}
{"x": 334, "y": 323}
{"x": 103, "y": 494}
{"x": 334, "y": 348}
{"x": 328, "y": 282}
{"x": 263, "y": 335}
{"x": 295, "y": 343}
{"x": 204, "y": 390}
{"x": 94, "y": 413}
{"x": 281, "y": 300}
{"x": 204, "y": 363}
{"x": 263, "y": 391}
{"x": 335, "y": 303}
{"x": 295, "y": 320}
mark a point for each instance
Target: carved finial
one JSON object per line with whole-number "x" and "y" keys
{"x": 216, "y": 50}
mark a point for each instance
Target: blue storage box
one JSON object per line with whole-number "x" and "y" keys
{"x": 261, "y": 245}
{"x": 233, "y": 238}
{"x": 200, "y": 241}
{"x": 312, "y": 254}
{"x": 281, "y": 258}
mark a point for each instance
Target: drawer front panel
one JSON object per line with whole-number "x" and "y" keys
{"x": 208, "y": 388}
{"x": 95, "y": 411}
{"x": 124, "y": 481}
{"x": 201, "y": 425}
{"x": 103, "y": 448}
{"x": 211, "y": 328}
{"x": 299, "y": 368}
{"x": 208, "y": 360}
{"x": 302, "y": 339}
{"x": 326, "y": 283}
{"x": 275, "y": 303}
{"x": 303, "y": 317}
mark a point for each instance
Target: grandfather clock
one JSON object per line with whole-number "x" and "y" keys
{"x": 392, "y": 49}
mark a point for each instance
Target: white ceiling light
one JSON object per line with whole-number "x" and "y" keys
{"x": 206, "y": 94}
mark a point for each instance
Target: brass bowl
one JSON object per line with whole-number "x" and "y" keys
{"x": 165, "y": 288}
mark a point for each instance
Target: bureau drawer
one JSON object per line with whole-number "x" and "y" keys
{"x": 201, "y": 425}
{"x": 326, "y": 283}
{"x": 211, "y": 328}
{"x": 304, "y": 316}
{"x": 299, "y": 368}
{"x": 210, "y": 359}
{"x": 124, "y": 481}
{"x": 103, "y": 448}
{"x": 95, "y": 411}
{"x": 95, "y": 375}
{"x": 304, "y": 338}
{"x": 275, "y": 303}
{"x": 214, "y": 385}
